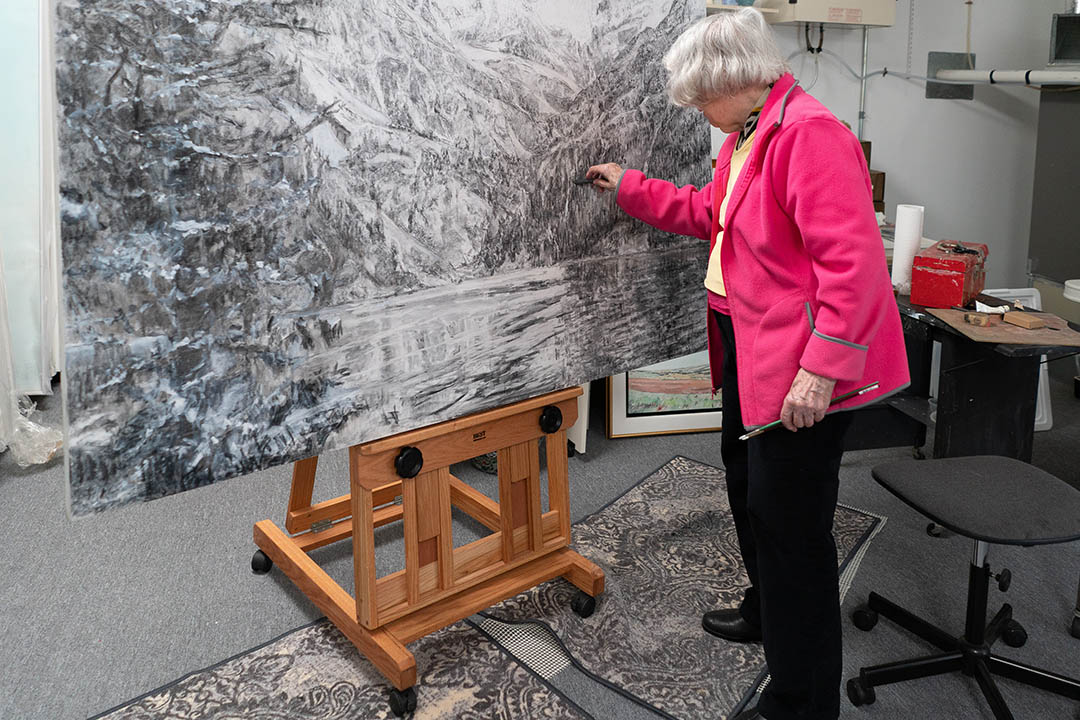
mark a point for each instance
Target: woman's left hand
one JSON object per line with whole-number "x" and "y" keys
{"x": 605, "y": 177}
{"x": 807, "y": 400}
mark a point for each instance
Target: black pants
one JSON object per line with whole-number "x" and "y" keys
{"x": 782, "y": 488}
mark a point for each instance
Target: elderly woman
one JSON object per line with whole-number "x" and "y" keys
{"x": 800, "y": 311}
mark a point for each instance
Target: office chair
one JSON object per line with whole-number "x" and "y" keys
{"x": 990, "y": 500}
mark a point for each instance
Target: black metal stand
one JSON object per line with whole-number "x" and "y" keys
{"x": 970, "y": 653}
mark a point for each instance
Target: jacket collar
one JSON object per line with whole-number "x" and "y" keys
{"x": 776, "y": 104}
{"x": 772, "y": 115}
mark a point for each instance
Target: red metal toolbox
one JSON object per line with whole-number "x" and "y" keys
{"x": 948, "y": 273}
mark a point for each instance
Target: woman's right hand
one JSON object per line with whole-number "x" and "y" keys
{"x": 605, "y": 177}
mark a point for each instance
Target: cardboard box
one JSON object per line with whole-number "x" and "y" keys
{"x": 948, "y": 274}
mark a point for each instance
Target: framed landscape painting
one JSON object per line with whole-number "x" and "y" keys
{"x": 674, "y": 396}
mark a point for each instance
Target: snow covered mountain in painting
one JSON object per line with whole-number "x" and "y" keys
{"x": 290, "y": 226}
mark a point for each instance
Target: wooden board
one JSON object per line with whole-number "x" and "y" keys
{"x": 1006, "y": 334}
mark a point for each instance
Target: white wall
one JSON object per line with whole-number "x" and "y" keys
{"x": 969, "y": 162}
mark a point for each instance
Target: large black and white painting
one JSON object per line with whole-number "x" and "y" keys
{"x": 295, "y": 225}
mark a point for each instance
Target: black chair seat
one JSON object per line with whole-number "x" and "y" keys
{"x": 990, "y": 498}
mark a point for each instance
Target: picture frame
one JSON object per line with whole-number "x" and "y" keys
{"x": 671, "y": 397}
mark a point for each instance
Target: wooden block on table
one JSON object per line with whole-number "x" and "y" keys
{"x": 981, "y": 319}
{"x": 1024, "y": 320}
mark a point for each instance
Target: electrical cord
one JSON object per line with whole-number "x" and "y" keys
{"x": 971, "y": 66}
{"x": 817, "y": 73}
{"x": 821, "y": 38}
{"x": 910, "y": 34}
{"x": 883, "y": 72}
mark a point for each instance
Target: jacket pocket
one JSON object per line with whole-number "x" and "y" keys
{"x": 781, "y": 337}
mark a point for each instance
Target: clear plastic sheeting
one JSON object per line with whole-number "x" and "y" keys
{"x": 28, "y": 226}
{"x": 28, "y": 442}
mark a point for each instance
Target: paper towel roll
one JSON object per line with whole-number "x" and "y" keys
{"x": 908, "y": 236}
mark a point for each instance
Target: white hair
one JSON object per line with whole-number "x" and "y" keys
{"x": 722, "y": 55}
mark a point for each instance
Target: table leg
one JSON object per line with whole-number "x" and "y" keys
{"x": 986, "y": 401}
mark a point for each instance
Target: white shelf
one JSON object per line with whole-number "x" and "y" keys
{"x": 714, "y": 7}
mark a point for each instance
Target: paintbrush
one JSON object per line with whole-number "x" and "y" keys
{"x": 839, "y": 398}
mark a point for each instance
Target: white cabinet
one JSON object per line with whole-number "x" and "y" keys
{"x": 875, "y": 13}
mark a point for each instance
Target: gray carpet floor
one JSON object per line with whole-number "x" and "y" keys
{"x": 99, "y": 610}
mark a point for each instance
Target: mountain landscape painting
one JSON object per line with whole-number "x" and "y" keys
{"x": 297, "y": 225}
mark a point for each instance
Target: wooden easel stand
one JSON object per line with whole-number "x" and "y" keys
{"x": 439, "y": 584}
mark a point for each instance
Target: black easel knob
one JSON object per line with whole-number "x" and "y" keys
{"x": 551, "y": 419}
{"x": 409, "y": 462}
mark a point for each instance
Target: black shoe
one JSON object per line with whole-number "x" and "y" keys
{"x": 730, "y": 625}
{"x": 751, "y": 714}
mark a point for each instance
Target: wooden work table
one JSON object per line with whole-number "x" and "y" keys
{"x": 986, "y": 394}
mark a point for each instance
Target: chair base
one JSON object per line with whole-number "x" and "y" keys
{"x": 967, "y": 654}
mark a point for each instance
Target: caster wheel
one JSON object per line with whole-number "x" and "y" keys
{"x": 864, "y": 618}
{"x": 402, "y": 702}
{"x": 935, "y": 530}
{"x": 261, "y": 563}
{"x": 1014, "y": 634}
{"x": 860, "y": 694}
{"x": 583, "y": 604}
{"x": 571, "y": 451}
{"x": 1075, "y": 629}
{"x": 918, "y": 454}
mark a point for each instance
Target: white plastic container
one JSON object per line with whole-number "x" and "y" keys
{"x": 1072, "y": 287}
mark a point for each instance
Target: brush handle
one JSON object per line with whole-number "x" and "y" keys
{"x": 838, "y": 398}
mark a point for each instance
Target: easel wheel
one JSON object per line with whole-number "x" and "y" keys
{"x": 583, "y": 604}
{"x": 402, "y": 701}
{"x": 261, "y": 563}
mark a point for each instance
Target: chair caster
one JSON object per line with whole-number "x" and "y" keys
{"x": 261, "y": 563}
{"x": 936, "y": 531}
{"x": 1075, "y": 629}
{"x": 583, "y": 604}
{"x": 1013, "y": 634}
{"x": 571, "y": 449}
{"x": 864, "y": 618}
{"x": 859, "y": 693}
{"x": 402, "y": 701}
{"x": 918, "y": 454}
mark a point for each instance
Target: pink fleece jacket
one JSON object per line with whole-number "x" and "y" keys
{"x": 802, "y": 257}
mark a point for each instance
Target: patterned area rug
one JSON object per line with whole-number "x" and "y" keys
{"x": 669, "y": 549}
{"x": 314, "y": 673}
